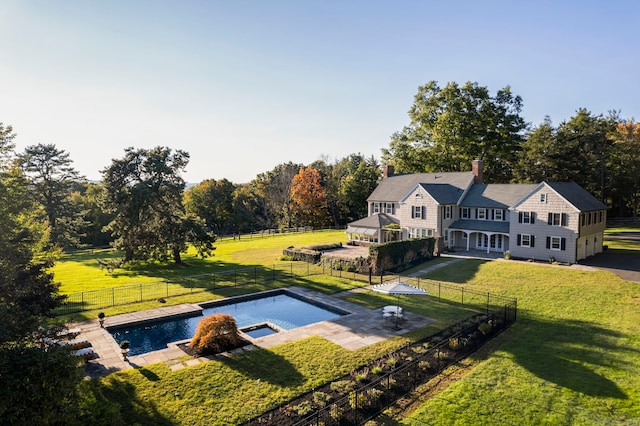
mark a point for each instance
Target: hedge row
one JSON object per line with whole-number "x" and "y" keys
{"x": 392, "y": 255}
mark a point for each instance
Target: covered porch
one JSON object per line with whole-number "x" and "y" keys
{"x": 488, "y": 236}
{"x": 377, "y": 228}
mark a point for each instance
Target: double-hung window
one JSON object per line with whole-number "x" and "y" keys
{"x": 526, "y": 217}
{"x": 447, "y": 212}
{"x": 526, "y": 240}
{"x": 498, "y": 214}
{"x": 556, "y": 243}
{"x": 558, "y": 219}
{"x": 388, "y": 208}
{"x": 417, "y": 212}
{"x": 465, "y": 213}
{"x": 481, "y": 214}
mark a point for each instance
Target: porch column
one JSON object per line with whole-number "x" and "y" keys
{"x": 468, "y": 239}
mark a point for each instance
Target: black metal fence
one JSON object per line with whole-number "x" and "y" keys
{"x": 242, "y": 277}
{"x": 413, "y": 366}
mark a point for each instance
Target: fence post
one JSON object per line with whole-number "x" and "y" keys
{"x": 113, "y": 296}
{"x": 439, "y": 284}
{"x": 462, "y": 291}
{"x": 82, "y": 300}
{"x": 235, "y": 277}
{"x": 141, "y": 292}
{"x": 255, "y": 275}
{"x": 291, "y": 270}
{"x": 307, "y": 268}
{"x": 167, "y": 287}
{"x": 488, "y": 295}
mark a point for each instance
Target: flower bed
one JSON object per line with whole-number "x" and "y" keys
{"x": 370, "y": 389}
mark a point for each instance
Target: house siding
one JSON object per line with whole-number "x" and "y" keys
{"x": 540, "y": 229}
{"x": 427, "y": 204}
{"x": 555, "y": 210}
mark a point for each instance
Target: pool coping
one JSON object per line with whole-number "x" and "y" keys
{"x": 357, "y": 328}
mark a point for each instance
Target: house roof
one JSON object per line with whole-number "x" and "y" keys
{"x": 396, "y": 187}
{"x": 375, "y": 221}
{"x": 579, "y": 197}
{"x": 481, "y": 225}
{"x": 496, "y": 195}
{"x": 443, "y": 193}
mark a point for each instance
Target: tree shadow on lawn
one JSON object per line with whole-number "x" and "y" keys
{"x": 267, "y": 366}
{"x": 116, "y": 401}
{"x": 568, "y": 353}
{"x": 459, "y": 273}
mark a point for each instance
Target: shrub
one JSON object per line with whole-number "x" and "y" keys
{"x": 359, "y": 376}
{"x": 455, "y": 343}
{"x": 425, "y": 365}
{"x": 321, "y": 398}
{"x": 374, "y": 395}
{"x": 485, "y": 328}
{"x": 215, "y": 333}
{"x": 357, "y": 399}
{"x": 507, "y": 255}
{"x": 392, "y": 361}
{"x": 304, "y": 408}
{"x": 342, "y": 387}
{"x": 377, "y": 369}
{"x": 321, "y": 247}
{"x": 335, "y": 412}
{"x": 419, "y": 349}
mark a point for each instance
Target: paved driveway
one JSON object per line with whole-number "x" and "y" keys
{"x": 624, "y": 264}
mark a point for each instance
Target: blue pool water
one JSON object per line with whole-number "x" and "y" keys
{"x": 260, "y": 332}
{"x": 282, "y": 310}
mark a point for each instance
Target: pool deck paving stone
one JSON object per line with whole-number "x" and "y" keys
{"x": 359, "y": 328}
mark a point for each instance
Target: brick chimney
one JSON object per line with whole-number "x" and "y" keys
{"x": 387, "y": 171}
{"x": 477, "y": 167}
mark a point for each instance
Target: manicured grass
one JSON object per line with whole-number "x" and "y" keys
{"x": 616, "y": 240}
{"x": 572, "y": 357}
{"x": 80, "y": 271}
{"x": 225, "y": 391}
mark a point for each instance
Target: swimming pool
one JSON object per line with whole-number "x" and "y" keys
{"x": 283, "y": 309}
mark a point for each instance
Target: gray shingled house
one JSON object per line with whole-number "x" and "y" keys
{"x": 558, "y": 220}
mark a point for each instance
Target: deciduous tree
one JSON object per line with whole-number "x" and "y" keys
{"x": 145, "y": 192}
{"x": 625, "y": 168}
{"x": 274, "y": 190}
{"x": 212, "y": 201}
{"x": 308, "y": 200}
{"x": 451, "y": 126}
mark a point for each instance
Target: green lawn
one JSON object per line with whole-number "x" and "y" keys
{"x": 79, "y": 271}
{"x": 573, "y": 357}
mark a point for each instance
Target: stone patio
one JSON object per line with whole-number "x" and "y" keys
{"x": 360, "y": 327}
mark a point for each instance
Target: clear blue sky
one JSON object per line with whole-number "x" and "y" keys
{"x": 246, "y": 85}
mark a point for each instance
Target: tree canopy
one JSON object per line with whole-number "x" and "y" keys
{"x": 308, "y": 199}
{"x": 212, "y": 201}
{"x": 30, "y": 375}
{"x": 451, "y": 126}
{"x": 53, "y": 181}
{"x": 144, "y": 190}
